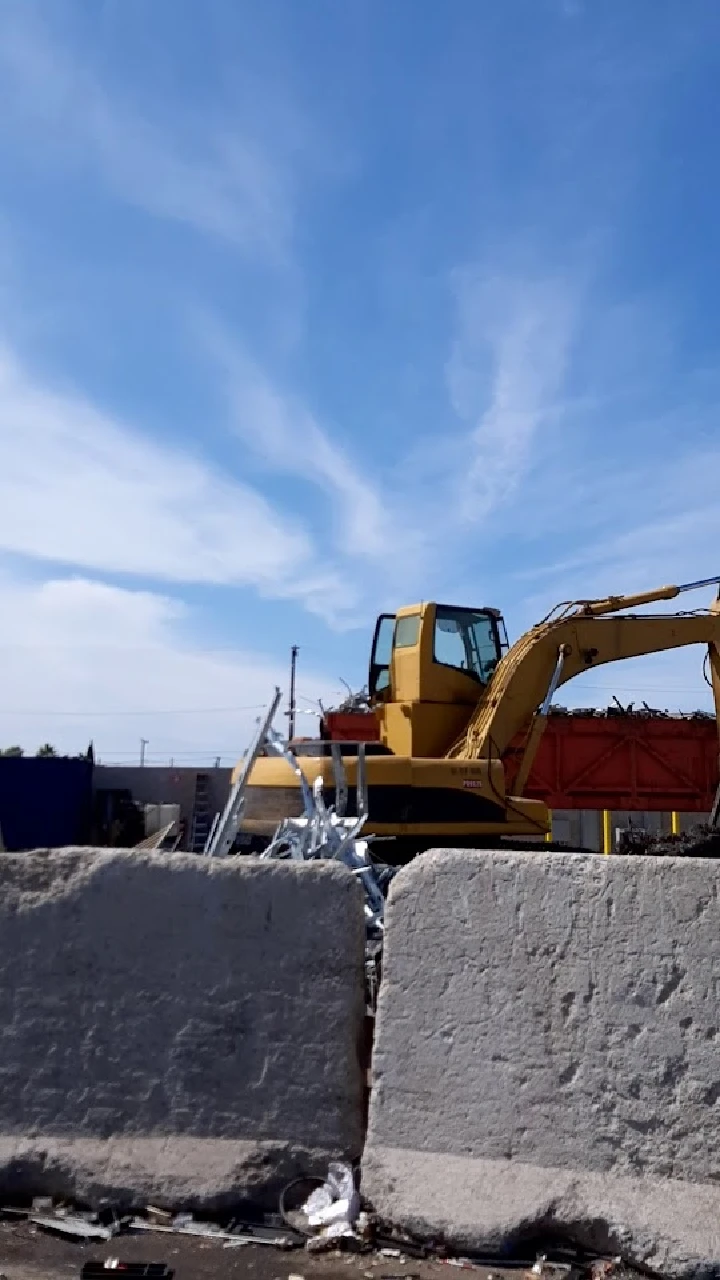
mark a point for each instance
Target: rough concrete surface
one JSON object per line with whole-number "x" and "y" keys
{"x": 548, "y": 1054}
{"x": 176, "y": 1029}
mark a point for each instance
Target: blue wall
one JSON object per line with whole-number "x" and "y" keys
{"x": 44, "y": 802}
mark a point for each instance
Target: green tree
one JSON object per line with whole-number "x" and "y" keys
{"x": 47, "y": 749}
{"x": 12, "y": 751}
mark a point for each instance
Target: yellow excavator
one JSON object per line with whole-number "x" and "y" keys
{"x": 450, "y": 695}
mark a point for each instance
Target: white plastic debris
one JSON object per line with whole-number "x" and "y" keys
{"x": 317, "y": 1201}
{"x": 337, "y": 1202}
{"x": 341, "y": 1181}
{"x": 331, "y": 1236}
{"x": 333, "y": 1209}
{"x": 337, "y": 1213}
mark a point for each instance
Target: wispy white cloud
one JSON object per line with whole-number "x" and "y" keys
{"x": 80, "y": 488}
{"x": 652, "y": 521}
{"x": 372, "y": 524}
{"x": 215, "y": 170}
{"x": 505, "y": 374}
{"x": 84, "y": 660}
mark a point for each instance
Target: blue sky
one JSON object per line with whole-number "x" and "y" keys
{"x": 312, "y": 309}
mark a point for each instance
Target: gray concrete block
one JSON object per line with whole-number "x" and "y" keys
{"x": 177, "y": 1029}
{"x": 548, "y": 1054}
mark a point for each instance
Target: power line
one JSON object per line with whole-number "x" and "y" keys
{"x": 165, "y": 711}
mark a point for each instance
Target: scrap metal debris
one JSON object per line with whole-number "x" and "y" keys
{"x": 701, "y": 841}
{"x": 74, "y": 1226}
{"x": 326, "y": 832}
{"x": 323, "y": 832}
{"x": 166, "y": 839}
{"x": 353, "y": 704}
{"x": 332, "y": 1220}
{"x": 235, "y": 1236}
{"x": 130, "y": 1270}
{"x": 552, "y": 1270}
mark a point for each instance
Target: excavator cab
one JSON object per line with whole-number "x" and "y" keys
{"x": 429, "y": 664}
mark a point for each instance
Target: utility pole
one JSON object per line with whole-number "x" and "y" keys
{"x": 291, "y": 712}
{"x": 143, "y": 744}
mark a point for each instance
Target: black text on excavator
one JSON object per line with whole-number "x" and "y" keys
{"x": 450, "y": 695}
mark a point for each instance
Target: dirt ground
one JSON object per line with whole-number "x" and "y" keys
{"x": 28, "y": 1253}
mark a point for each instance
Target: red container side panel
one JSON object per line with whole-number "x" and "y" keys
{"x": 350, "y": 726}
{"x": 622, "y": 761}
{"x": 628, "y": 761}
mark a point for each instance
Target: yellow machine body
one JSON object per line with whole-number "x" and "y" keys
{"x": 409, "y": 798}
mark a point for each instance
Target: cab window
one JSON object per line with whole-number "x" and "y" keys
{"x": 381, "y": 653}
{"x": 407, "y": 631}
{"x": 467, "y": 640}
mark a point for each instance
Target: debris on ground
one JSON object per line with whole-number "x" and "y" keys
{"x": 610, "y": 1269}
{"x": 327, "y": 1218}
{"x": 547, "y": 1270}
{"x": 235, "y": 1236}
{"x": 158, "y": 1215}
{"x": 74, "y": 1226}
{"x": 130, "y": 1270}
{"x": 701, "y": 841}
{"x": 336, "y": 1201}
{"x": 332, "y": 1213}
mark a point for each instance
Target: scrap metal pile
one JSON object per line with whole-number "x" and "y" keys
{"x": 327, "y": 832}
{"x": 323, "y": 832}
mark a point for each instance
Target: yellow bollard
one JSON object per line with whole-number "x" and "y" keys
{"x": 675, "y": 823}
{"x": 548, "y": 834}
{"x": 607, "y": 831}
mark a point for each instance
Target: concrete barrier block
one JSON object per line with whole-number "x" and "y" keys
{"x": 176, "y": 1029}
{"x": 548, "y": 1054}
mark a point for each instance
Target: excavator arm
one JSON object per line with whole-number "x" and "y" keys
{"x": 585, "y": 635}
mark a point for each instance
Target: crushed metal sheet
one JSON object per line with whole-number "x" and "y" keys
{"x": 158, "y": 1215}
{"x": 75, "y": 1227}
{"x": 208, "y": 1231}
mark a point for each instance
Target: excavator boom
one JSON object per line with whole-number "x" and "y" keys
{"x": 590, "y": 634}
